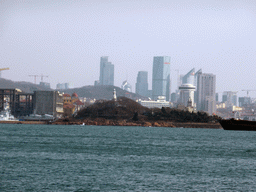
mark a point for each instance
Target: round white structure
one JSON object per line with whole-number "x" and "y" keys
{"x": 186, "y": 92}
{"x": 126, "y": 86}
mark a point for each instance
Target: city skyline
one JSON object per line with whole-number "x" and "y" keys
{"x": 64, "y": 40}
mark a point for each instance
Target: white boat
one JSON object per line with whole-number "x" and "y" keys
{"x": 36, "y": 117}
{"x": 5, "y": 115}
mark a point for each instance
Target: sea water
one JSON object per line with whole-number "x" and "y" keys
{"x": 113, "y": 158}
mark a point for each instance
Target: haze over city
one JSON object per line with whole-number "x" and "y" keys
{"x": 65, "y": 40}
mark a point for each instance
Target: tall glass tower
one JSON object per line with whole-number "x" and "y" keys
{"x": 142, "y": 83}
{"x": 189, "y": 77}
{"x": 106, "y": 72}
{"x": 161, "y": 77}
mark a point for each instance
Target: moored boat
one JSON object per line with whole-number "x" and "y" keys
{"x": 5, "y": 114}
{"x": 238, "y": 125}
{"x": 36, "y": 117}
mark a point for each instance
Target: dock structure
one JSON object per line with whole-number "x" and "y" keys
{"x": 20, "y": 104}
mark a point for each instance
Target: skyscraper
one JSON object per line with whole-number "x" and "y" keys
{"x": 206, "y": 89}
{"x": 106, "y": 72}
{"x": 195, "y": 83}
{"x": 161, "y": 77}
{"x": 142, "y": 83}
{"x": 189, "y": 77}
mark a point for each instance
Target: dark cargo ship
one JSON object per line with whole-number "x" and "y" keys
{"x": 238, "y": 125}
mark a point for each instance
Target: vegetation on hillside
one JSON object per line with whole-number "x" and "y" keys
{"x": 125, "y": 108}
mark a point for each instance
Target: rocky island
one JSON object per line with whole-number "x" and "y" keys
{"x": 127, "y": 112}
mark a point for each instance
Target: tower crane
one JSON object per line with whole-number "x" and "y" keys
{"x": 248, "y": 90}
{"x": 34, "y": 77}
{"x": 1, "y": 69}
{"x": 42, "y": 78}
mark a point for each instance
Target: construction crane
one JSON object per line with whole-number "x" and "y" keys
{"x": 1, "y": 69}
{"x": 248, "y": 90}
{"x": 42, "y": 78}
{"x": 34, "y": 77}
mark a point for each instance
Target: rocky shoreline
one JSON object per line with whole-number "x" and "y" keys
{"x": 107, "y": 122}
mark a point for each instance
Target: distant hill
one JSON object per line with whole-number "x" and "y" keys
{"x": 102, "y": 92}
{"x": 26, "y": 87}
{"x": 97, "y": 92}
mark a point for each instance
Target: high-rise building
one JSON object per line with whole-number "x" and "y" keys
{"x": 161, "y": 77}
{"x": 106, "y": 72}
{"x": 142, "y": 83}
{"x": 189, "y": 77}
{"x": 62, "y": 86}
{"x": 244, "y": 101}
{"x": 195, "y": 83}
{"x": 206, "y": 89}
{"x": 196, "y": 76}
{"x": 217, "y": 97}
{"x": 230, "y": 98}
{"x": 45, "y": 85}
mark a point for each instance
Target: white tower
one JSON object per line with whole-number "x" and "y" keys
{"x": 114, "y": 94}
{"x": 186, "y": 94}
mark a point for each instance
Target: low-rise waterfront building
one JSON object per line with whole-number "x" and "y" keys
{"x": 71, "y": 104}
{"x": 159, "y": 103}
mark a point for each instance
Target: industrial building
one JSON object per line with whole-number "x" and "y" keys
{"x": 20, "y": 104}
{"x": 48, "y": 102}
{"x": 161, "y": 77}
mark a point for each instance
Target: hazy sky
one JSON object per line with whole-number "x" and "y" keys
{"x": 65, "y": 39}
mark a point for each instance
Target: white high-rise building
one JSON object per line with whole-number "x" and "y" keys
{"x": 205, "y": 92}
